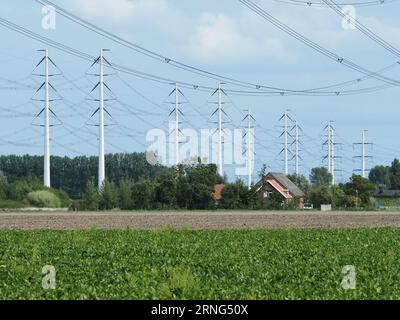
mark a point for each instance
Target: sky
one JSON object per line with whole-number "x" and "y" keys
{"x": 222, "y": 37}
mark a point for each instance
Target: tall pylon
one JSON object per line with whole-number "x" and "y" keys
{"x": 177, "y": 112}
{"x": 102, "y": 161}
{"x": 286, "y": 134}
{"x": 46, "y": 111}
{"x": 363, "y": 157}
{"x": 249, "y": 147}
{"x": 296, "y": 128}
{"x": 330, "y": 157}
{"x": 220, "y": 112}
{"x": 101, "y": 85}
{"x": 220, "y": 161}
{"x": 46, "y": 172}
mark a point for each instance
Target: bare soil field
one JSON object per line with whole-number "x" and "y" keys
{"x": 197, "y": 220}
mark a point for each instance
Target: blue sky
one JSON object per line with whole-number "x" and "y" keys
{"x": 223, "y": 37}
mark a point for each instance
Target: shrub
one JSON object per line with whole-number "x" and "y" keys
{"x": 62, "y": 196}
{"x": 43, "y": 199}
{"x": 11, "y": 204}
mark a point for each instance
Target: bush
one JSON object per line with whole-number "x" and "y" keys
{"x": 11, "y": 204}
{"x": 62, "y": 196}
{"x": 20, "y": 188}
{"x": 43, "y": 199}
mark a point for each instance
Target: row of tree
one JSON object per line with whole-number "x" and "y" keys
{"x": 186, "y": 187}
{"x": 72, "y": 175}
{"x": 133, "y": 184}
{"x": 386, "y": 177}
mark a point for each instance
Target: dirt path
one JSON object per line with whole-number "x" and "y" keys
{"x": 198, "y": 220}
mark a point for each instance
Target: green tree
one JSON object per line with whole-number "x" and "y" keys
{"x": 108, "y": 196}
{"x": 19, "y": 189}
{"x": 319, "y": 195}
{"x": 91, "y": 198}
{"x": 300, "y": 181}
{"x": 381, "y": 176}
{"x": 125, "y": 199}
{"x": 320, "y": 176}
{"x": 3, "y": 185}
{"x": 166, "y": 189}
{"x": 230, "y": 196}
{"x": 395, "y": 175}
{"x": 143, "y": 194}
{"x": 360, "y": 187}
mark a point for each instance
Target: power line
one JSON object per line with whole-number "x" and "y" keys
{"x": 331, "y": 55}
{"x": 356, "y": 23}
{"x": 350, "y": 3}
{"x": 176, "y": 63}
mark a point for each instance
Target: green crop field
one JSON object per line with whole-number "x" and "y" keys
{"x": 260, "y": 264}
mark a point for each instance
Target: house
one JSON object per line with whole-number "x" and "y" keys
{"x": 279, "y": 184}
{"x": 217, "y": 194}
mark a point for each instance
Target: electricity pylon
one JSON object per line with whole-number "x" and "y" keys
{"x": 286, "y": 134}
{"x": 101, "y": 85}
{"x": 331, "y": 150}
{"x": 250, "y": 137}
{"x": 176, "y": 111}
{"x": 363, "y": 157}
{"x": 46, "y": 111}
{"x": 220, "y": 112}
{"x": 296, "y": 143}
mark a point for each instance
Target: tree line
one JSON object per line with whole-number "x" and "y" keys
{"x": 133, "y": 184}
{"x": 73, "y": 174}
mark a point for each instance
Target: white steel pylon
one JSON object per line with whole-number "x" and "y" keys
{"x": 285, "y": 134}
{"x": 249, "y": 148}
{"x": 102, "y": 169}
{"x": 46, "y": 85}
{"x": 363, "y": 157}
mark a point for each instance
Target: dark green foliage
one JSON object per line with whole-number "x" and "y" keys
{"x": 125, "y": 195}
{"x": 320, "y": 195}
{"x": 300, "y": 181}
{"x": 19, "y": 189}
{"x": 320, "y": 177}
{"x": 274, "y": 202}
{"x": 165, "y": 191}
{"x": 380, "y": 175}
{"x": 360, "y": 187}
{"x": 201, "y": 265}
{"x": 238, "y": 196}
{"x": 395, "y": 175}
{"x": 108, "y": 196}
{"x": 143, "y": 195}
{"x": 3, "y": 186}
{"x": 72, "y": 175}
{"x": 91, "y": 198}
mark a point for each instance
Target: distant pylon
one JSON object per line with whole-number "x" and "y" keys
{"x": 176, "y": 111}
{"x": 296, "y": 128}
{"x": 249, "y": 147}
{"x": 363, "y": 144}
{"x": 220, "y": 112}
{"x": 286, "y": 134}
{"x": 331, "y": 150}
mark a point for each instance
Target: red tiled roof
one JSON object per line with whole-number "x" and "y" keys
{"x": 217, "y": 195}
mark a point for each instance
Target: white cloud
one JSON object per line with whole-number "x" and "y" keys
{"x": 119, "y": 10}
{"x": 219, "y": 38}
